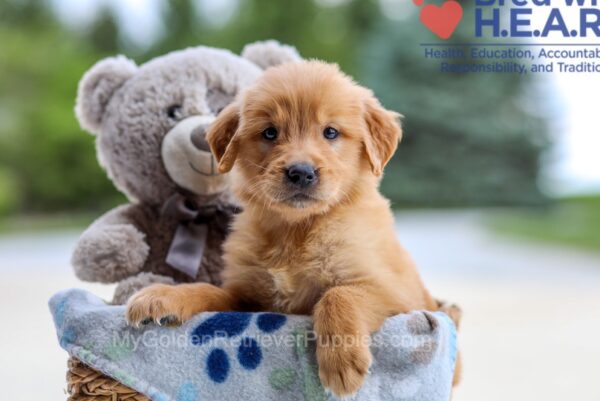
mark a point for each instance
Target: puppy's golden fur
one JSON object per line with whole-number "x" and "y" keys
{"x": 331, "y": 252}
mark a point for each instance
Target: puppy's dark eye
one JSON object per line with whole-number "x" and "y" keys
{"x": 270, "y": 134}
{"x": 330, "y": 133}
{"x": 174, "y": 112}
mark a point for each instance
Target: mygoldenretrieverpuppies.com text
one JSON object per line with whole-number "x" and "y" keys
{"x": 127, "y": 342}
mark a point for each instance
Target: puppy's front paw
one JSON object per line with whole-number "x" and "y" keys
{"x": 160, "y": 303}
{"x": 343, "y": 369}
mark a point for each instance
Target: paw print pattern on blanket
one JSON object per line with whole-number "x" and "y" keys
{"x": 232, "y": 325}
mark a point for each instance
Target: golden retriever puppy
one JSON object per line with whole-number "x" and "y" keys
{"x": 307, "y": 147}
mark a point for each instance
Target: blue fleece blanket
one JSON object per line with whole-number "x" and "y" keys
{"x": 250, "y": 356}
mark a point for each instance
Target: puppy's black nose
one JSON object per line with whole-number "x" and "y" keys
{"x": 198, "y": 137}
{"x": 302, "y": 175}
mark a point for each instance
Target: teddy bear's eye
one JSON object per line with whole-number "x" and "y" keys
{"x": 217, "y": 99}
{"x": 174, "y": 112}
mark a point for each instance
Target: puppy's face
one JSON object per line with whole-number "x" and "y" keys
{"x": 302, "y": 138}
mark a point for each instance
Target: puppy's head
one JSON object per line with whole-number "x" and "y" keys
{"x": 303, "y": 139}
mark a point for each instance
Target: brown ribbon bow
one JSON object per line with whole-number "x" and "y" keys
{"x": 188, "y": 244}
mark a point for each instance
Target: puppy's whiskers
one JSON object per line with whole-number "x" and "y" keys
{"x": 255, "y": 190}
{"x": 254, "y": 164}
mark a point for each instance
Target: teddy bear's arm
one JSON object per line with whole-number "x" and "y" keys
{"x": 131, "y": 285}
{"x": 112, "y": 248}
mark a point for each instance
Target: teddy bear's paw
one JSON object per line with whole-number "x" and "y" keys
{"x": 110, "y": 253}
{"x": 343, "y": 368}
{"x": 131, "y": 285}
{"x": 161, "y": 304}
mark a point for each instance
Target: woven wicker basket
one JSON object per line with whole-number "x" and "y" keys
{"x": 87, "y": 384}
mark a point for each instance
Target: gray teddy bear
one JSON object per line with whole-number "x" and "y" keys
{"x": 150, "y": 123}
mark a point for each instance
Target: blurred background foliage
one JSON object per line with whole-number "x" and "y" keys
{"x": 469, "y": 140}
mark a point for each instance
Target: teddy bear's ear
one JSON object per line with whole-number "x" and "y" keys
{"x": 96, "y": 88}
{"x": 270, "y": 53}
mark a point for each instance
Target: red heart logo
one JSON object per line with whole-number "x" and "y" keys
{"x": 442, "y": 20}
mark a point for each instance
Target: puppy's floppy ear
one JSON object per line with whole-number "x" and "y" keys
{"x": 222, "y": 139}
{"x": 384, "y": 134}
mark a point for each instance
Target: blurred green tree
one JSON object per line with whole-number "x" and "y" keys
{"x": 326, "y": 32}
{"x": 47, "y": 162}
{"x": 469, "y": 139}
{"x": 103, "y": 36}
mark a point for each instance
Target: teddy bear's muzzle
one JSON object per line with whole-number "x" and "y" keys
{"x": 198, "y": 137}
{"x": 187, "y": 157}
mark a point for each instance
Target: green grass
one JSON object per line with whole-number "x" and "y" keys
{"x": 40, "y": 223}
{"x": 571, "y": 221}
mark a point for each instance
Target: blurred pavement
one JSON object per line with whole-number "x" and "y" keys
{"x": 530, "y": 328}
{"x": 531, "y": 324}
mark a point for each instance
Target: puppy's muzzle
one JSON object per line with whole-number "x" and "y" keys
{"x": 302, "y": 175}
